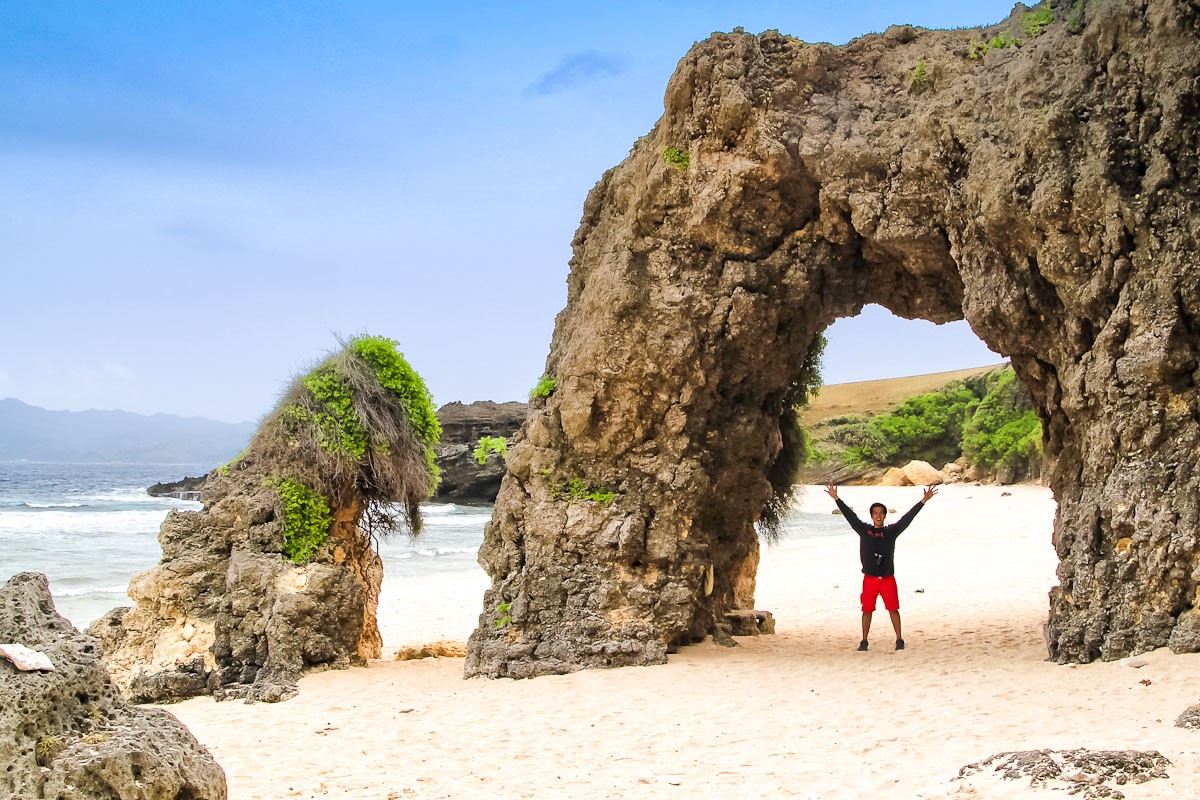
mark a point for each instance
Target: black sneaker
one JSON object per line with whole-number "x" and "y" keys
{"x": 899, "y": 644}
{"x": 862, "y": 646}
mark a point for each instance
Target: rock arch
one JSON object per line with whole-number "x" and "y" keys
{"x": 1047, "y": 194}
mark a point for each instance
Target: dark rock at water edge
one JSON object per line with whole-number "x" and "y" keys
{"x": 184, "y": 489}
{"x": 465, "y": 480}
{"x": 70, "y": 734}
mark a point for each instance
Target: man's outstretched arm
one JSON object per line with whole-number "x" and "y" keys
{"x": 902, "y": 523}
{"x": 857, "y": 524}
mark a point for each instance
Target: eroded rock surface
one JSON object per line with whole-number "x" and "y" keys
{"x": 225, "y": 613}
{"x": 70, "y": 734}
{"x": 1048, "y": 194}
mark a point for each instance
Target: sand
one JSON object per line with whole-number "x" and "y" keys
{"x": 798, "y": 714}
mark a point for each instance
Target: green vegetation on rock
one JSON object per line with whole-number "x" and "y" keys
{"x": 680, "y": 159}
{"x": 360, "y": 423}
{"x": 797, "y": 447}
{"x": 1004, "y": 435}
{"x": 506, "y": 619}
{"x": 545, "y": 387}
{"x": 999, "y": 42}
{"x": 1036, "y": 20}
{"x": 577, "y": 489}
{"x": 491, "y": 444}
{"x": 1075, "y": 18}
{"x": 306, "y": 519}
{"x": 919, "y": 79}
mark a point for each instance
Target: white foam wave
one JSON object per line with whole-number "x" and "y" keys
{"x": 54, "y": 505}
{"x": 86, "y": 590}
{"x": 443, "y": 551}
{"x": 73, "y": 523}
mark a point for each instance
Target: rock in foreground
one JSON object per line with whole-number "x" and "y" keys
{"x": 69, "y": 734}
{"x": 1089, "y": 774}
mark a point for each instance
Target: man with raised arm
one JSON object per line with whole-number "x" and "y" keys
{"x": 876, "y": 548}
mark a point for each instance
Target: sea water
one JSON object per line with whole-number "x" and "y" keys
{"x": 92, "y": 527}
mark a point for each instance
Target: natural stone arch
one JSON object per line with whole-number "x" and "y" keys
{"x": 1046, "y": 194}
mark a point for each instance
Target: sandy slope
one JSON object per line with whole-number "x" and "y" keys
{"x": 799, "y": 714}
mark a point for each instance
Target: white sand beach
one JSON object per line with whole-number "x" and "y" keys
{"x": 799, "y": 714}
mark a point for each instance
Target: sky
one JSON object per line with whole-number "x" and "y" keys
{"x": 198, "y": 199}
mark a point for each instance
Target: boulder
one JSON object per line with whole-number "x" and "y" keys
{"x": 432, "y": 650}
{"x": 68, "y": 733}
{"x": 750, "y": 622}
{"x": 895, "y": 476}
{"x": 922, "y": 473}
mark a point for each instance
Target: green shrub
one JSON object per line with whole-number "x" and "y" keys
{"x": 1004, "y": 433}
{"x": 998, "y": 42}
{"x": 506, "y": 619}
{"x": 680, "y": 159}
{"x": 796, "y": 446}
{"x": 339, "y": 430}
{"x": 1075, "y": 18}
{"x": 491, "y": 444}
{"x": 306, "y": 519}
{"x": 361, "y": 423}
{"x": 919, "y": 79}
{"x": 1036, "y": 20}
{"x": 545, "y": 387}
{"x": 397, "y": 375}
{"x": 578, "y": 489}
{"x": 927, "y": 427}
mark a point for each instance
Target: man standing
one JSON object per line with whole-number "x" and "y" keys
{"x": 876, "y": 547}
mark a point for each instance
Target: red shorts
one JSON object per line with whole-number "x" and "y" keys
{"x": 874, "y": 588}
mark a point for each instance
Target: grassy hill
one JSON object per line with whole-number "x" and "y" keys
{"x": 864, "y": 399}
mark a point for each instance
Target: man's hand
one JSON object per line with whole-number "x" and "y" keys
{"x": 930, "y": 491}
{"x": 831, "y": 490}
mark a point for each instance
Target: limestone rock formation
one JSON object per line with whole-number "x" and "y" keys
{"x": 69, "y": 733}
{"x": 1049, "y": 194}
{"x": 278, "y": 573}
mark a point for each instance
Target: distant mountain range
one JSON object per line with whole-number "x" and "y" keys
{"x": 35, "y": 434}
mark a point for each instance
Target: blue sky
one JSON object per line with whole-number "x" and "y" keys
{"x": 199, "y": 197}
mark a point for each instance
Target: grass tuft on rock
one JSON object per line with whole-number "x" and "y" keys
{"x": 357, "y": 430}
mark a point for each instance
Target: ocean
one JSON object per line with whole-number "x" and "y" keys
{"x": 91, "y": 527}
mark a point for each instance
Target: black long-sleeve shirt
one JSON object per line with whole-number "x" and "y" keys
{"x": 877, "y": 546}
